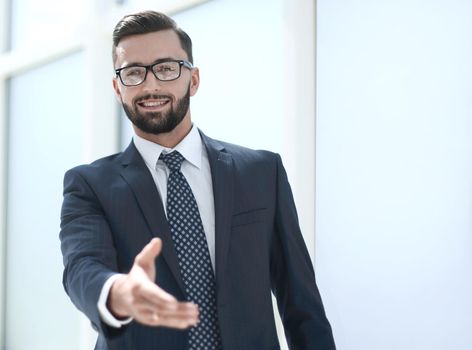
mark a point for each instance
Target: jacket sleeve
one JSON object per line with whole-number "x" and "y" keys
{"x": 293, "y": 280}
{"x": 87, "y": 246}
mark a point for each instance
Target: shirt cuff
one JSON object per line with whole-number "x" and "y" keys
{"x": 105, "y": 314}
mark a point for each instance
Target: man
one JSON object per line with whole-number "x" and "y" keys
{"x": 178, "y": 242}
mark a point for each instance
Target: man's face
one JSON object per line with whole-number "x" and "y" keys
{"x": 155, "y": 106}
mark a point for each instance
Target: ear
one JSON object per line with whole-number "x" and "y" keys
{"x": 116, "y": 87}
{"x": 194, "y": 81}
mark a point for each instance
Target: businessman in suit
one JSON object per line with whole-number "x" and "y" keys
{"x": 179, "y": 241}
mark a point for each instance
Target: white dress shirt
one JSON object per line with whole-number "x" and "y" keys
{"x": 196, "y": 169}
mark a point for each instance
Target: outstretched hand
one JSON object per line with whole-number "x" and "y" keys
{"x": 136, "y": 295}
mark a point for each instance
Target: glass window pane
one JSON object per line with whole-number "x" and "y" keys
{"x": 36, "y": 22}
{"x": 217, "y": 107}
{"x": 45, "y": 139}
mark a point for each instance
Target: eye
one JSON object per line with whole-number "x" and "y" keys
{"x": 166, "y": 67}
{"x": 132, "y": 71}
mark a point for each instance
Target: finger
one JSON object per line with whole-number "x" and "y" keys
{"x": 187, "y": 311}
{"x": 149, "y": 253}
{"x": 183, "y": 313}
{"x": 155, "y": 295}
{"x": 155, "y": 318}
{"x": 149, "y": 296}
{"x": 152, "y": 296}
{"x": 170, "y": 313}
{"x": 174, "y": 322}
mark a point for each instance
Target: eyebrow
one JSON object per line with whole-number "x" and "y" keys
{"x": 160, "y": 60}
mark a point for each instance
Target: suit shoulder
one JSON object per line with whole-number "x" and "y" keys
{"x": 246, "y": 153}
{"x": 251, "y": 162}
{"x": 97, "y": 167}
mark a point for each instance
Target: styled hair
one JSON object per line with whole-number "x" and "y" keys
{"x": 148, "y": 22}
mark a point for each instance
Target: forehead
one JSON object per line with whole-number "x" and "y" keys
{"x": 147, "y": 48}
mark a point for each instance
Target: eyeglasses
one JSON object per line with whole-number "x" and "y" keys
{"x": 163, "y": 71}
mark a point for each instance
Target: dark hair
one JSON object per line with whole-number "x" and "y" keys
{"x": 148, "y": 22}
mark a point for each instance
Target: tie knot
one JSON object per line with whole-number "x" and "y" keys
{"x": 173, "y": 160}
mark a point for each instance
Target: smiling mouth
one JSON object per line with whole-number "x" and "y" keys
{"x": 153, "y": 104}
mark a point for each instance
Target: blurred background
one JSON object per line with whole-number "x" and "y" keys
{"x": 368, "y": 102}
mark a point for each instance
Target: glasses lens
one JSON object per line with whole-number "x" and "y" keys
{"x": 133, "y": 75}
{"x": 167, "y": 70}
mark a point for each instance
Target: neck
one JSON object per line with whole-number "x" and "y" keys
{"x": 168, "y": 139}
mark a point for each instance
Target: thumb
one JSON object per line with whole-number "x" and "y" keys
{"x": 145, "y": 259}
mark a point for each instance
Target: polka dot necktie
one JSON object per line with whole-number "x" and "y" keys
{"x": 193, "y": 255}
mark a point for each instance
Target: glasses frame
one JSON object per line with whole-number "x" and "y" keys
{"x": 150, "y": 67}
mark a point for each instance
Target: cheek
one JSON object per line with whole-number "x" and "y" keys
{"x": 127, "y": 97}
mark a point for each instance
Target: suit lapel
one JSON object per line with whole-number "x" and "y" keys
{"x": 221, "y": 165}
{"x": 136, "y": 174}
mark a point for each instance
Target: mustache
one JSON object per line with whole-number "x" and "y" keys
{"x": 151, "y": 96}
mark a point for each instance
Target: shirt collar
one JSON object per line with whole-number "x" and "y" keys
{"x": 190, "y": 148}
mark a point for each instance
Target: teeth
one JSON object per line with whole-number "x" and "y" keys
{"x": 153, "y": 104}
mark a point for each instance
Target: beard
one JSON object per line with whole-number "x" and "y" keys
{"x": 158, "y": 122}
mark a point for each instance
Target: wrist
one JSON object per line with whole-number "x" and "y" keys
{"x": 115, "y": 303}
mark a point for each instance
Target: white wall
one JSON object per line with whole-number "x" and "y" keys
{"x": 394, "y": 172}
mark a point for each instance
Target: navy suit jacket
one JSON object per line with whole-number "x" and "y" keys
{"x": 112, "y": 209}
